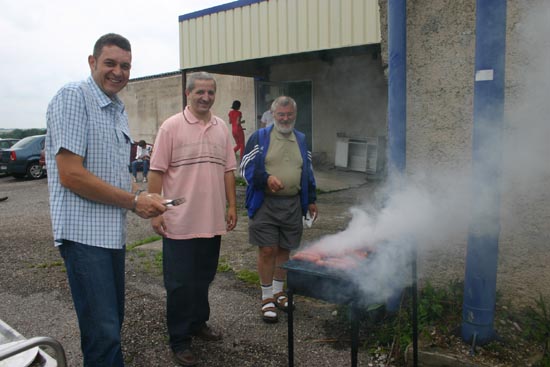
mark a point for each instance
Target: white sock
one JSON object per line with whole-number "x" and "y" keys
{"x": 267, "y": 291}
{"x": 278, "y": 286}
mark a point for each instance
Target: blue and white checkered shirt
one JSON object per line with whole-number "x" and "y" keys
{"x": 84, "y": 120}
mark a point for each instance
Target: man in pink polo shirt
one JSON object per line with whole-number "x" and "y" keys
{"x": 193, "y": 159}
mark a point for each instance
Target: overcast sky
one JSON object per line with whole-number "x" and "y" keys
{"x": 45, "y": 44}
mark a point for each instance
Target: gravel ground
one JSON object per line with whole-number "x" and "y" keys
{"x": 36, "y": 301}
{"x": 35, "y": 298}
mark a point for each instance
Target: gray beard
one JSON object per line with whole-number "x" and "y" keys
{"x": 284, "y": 130}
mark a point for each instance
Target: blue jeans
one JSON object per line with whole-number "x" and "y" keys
{"x": 96, "y": 278}
{"x": 135, "y": 165}
{"x": 189, "y": 267}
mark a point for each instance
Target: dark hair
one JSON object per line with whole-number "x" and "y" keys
{"x": 111, "y": 39}
{"x": 199, "y": 75}
{"x": 142, "y": 143}
{"x": 236, "y": 105}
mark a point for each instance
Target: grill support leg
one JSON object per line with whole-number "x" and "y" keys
{"x": 354, "y": 312}
{"x": 290, "y": 318}
{"x": 414, "y": 300}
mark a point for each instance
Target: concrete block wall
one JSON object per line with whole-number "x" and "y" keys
{"x": 440, "y": 80}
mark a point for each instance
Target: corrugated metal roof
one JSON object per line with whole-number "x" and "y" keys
{"x": 252, "y": 29}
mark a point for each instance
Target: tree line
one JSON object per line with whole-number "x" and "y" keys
{"x": 21, "y": 133}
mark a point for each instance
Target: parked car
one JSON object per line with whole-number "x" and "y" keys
{"x": 42, "y": 160}
{"x": 6, "y": 143}
{"x": 21, "y": 160}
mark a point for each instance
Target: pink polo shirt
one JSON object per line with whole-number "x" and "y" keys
{"x": 194, "y": 159}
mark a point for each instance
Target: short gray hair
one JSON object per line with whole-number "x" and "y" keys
{"x": 283, "y": 101}
{"x": 199, "y": 75}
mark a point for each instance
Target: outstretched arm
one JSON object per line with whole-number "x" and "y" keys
{"x": 75, "y": 177}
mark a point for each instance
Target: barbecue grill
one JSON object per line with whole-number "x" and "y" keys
{"x": 331, "y": 285}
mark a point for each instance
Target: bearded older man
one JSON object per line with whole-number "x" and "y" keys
{"x": 281, "y": 190}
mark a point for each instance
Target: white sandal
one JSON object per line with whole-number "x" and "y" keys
{"x": 281, "y": 301}
{"x": 269, "y": 311}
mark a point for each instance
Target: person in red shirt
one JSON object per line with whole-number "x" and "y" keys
{"x": 236, "y": 121}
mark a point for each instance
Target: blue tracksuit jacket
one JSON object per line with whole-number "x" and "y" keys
{"x": 253, "y": 170}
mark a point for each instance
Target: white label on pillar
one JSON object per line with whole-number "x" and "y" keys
{"x": 483, "y": 75}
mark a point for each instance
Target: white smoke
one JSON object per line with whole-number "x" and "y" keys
{"x": 421, "y": 213}
{"x": 435, "y": 208}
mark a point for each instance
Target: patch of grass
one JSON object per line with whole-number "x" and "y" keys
{"x": 158, "y": 260}
{"x": 49, "y": 265}
{"x": 140, "y": 253}
{"x": 248, "y": 276}
{"x": 538, "y": 327}
{"x": 439, "y": 319}
{"x": 223, "y": 266}
{"x": 132, "y": 246}
{"x": 438, "y": 309}
{"x": 239, "y": 181}
{"x": 151, "y": 263}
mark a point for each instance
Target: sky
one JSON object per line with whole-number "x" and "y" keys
{"x": 45, "y": 44}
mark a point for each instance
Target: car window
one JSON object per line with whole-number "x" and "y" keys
{"x": 25, "y": 142}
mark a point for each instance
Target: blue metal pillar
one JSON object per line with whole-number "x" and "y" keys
{"x": 482, "y": 252}
{"x": 397, "y": 103}
{"x": 397, "y": 131}
{"x": 397, "y": 85}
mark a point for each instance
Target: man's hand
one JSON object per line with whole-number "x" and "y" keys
{"x": 312, "y": 208}
{"x": 158, "y": 225}
{"x": 149, "y": 205}
{"x": 274, "y": 184}
{"x": 231, "y": 218}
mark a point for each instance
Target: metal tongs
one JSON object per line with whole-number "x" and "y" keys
{"x": 174, "y": 202}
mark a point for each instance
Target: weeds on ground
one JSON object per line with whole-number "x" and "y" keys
{"x": 49, "y": 265}
{"x": 239, "y": 181}
{"x": 133, "y": 245}
{"x": 223, "y": 266}
{"x": 150, "y": 261}
{"x": 386, "y": 335}
{"x": 439, "y": 311}
{"x": 247, "y": 276}
{"x": 538, "y": 328}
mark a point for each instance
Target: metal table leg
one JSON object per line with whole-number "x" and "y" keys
{"x": 354, "y": 312}
{"x": 290, "y": 317}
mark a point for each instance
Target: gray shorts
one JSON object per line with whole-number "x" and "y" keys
{"x": 277, "y": 222}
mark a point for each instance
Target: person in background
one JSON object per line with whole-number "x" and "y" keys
{"x": 143, "y": 155}
{"x": 281, "y": 190}
{"x": 87, "y": 147}
{"x": 267, "y": 118}
{"x": 193, "y": 159}
{"x": 236, "y": 121}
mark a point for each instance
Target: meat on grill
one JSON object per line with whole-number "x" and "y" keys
{"x": 346, "y": 259}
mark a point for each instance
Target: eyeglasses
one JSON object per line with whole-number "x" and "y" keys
{"x": 283, "y": 114}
